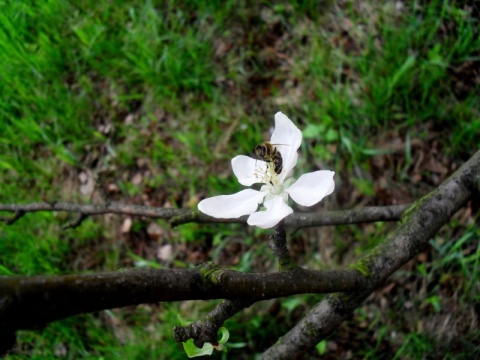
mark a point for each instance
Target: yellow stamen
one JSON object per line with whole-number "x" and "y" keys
{"x": 268, "y": 175}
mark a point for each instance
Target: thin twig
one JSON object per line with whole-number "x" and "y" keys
{"x": 182, "y": 216}
{"x": 9, "y": 220}
{"x": 77, "y": 222}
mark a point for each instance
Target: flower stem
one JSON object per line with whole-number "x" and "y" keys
{"x": 278, "y": 243}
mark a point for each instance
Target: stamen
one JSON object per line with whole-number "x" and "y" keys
{"x": 267, "y": 175}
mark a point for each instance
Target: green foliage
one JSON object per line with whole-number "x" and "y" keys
{"x": 32, "y": 250}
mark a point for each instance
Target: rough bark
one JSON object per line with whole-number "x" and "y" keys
{"x": 32, "y": 301}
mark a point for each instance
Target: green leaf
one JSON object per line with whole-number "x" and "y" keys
{"x": 5, "y": 165}
{"x": 436, "y": 303}
{"x": 193, "y": 351}
{"x": 225, "y": 335}
{"x": 144, "y": 263}
{"x": 407, "y": 65}
{"x": 321, "y": 347}
{"x": 313, "y": 131}
{"x": 180, "y": 320}
{"x": 207, "y": 349}
{"x": 374, "y": 152}
{"x": 400, "y": 72}
{"x": 6, "y": 271}
{"x": 320, "y": 132}
{"x": 291, "y": 304}
{"x": 330, "y": 135}
{"x": 364, "y": 186}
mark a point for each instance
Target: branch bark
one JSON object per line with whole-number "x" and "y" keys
{"x": 278, "y": 244}
{"x": 419, "y": 224}
{"x": 183, "y": 216}
{"x": 32, "y": 301}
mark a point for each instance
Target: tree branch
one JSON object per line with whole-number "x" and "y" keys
{"x": 419, "y": 224}
{"x": 206, "y": 330}
{"x": 32, "y": 301}
{"x": 183, "y": 216}
{"x": 11, "y": 220}
{"x": 73, "y": 225}
{"x": 278, "y": 243}
{"x": 89, "y": 210}
{"x": 344, "y": 217}
{"x": 27, "y": 302}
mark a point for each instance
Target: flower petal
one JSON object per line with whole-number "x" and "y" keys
{"x": 311, "y": 188}
{"x": 242, "y": 203}
{"x": 287, "y": 138}
{"x": 277, "y": 210}
{"x": 248, "y": 170}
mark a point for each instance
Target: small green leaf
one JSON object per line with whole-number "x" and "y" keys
{"x": 143, "y": 263}
{"x": 364, "y": 186}
{"x": 180, "y": 320}
{"x": 409, "y": 62}
{"x": 373, "y": 152}
{"x": 435, "y": 301}
{"x": 291, "y": 304}
{"x": 5, "y": 165}
{"x": 313, "y": 131}
{"x": 218, "y": 238}
{"x": 321, "y": 347}
{"x": 330, "y": 135}
{"x": 6, "y": 271}
{"x": 225, "y": 335}
{"x": 193, "y": 351}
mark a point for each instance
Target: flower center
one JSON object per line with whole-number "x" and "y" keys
{"x": 267, "y": 174}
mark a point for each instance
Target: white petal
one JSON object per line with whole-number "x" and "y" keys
{"x": 310, "y": 188}
{"x": 276, "y": 211}
{"x": 248, "y": 170}
{"x": 242, "y": 203}
{"x": 287, "y": 138}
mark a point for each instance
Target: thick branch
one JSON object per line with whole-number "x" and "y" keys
{"x": 31, "y": 301}
{"x": 182, "y": 216}
{"x": 419, "y": 224}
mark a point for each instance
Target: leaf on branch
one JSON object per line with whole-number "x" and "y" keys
{"x": 192, "y": 351}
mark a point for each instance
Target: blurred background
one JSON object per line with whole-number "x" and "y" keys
{"x": 146, "y": 102}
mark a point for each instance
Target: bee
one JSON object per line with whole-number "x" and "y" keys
{"x": 266, "y": 151}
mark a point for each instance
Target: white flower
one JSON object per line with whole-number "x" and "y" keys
{"x": 308, "y": 190}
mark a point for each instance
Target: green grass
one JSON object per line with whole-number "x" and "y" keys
{"x": 153, "y": 99}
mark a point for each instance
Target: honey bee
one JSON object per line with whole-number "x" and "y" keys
{"x": 266, "y": 151}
